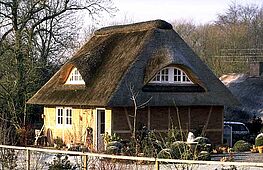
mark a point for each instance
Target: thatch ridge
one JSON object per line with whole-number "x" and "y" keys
{"x": 141, "y": 26}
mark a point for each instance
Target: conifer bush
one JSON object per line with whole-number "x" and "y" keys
{"x": 259, "y": 141}
{"x": 241, "y": 146}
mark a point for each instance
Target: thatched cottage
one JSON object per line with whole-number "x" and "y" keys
{"x": 93, "y": 90}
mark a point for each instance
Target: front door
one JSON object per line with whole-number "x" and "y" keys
{"x": 100, "y": 128}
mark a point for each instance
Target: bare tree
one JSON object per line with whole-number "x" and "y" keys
{"x": 239, "y": 28}
{"x": 137, "y": 106}
{"x": 32, "y": 35}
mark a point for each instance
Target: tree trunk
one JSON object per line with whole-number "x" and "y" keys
{"x": 21, "y": 79}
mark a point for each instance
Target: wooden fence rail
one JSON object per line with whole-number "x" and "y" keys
{"x": 157, "y": 161}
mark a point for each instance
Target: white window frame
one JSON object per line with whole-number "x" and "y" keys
{"x": 75, "y": 77}
{"x": 161, "y": 76}
{"x": 68, "y": 117}
{"x": 64, "y": 117}
{"x": 59, "y": 117}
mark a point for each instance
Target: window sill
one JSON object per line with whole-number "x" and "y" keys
{"x": 172, "y": 88}
{"x": 63, "y": 126}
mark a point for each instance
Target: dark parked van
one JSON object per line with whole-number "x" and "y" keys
{"x": 239, "y": 131}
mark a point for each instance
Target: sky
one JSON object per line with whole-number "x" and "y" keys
{"x": 197, "y": 11}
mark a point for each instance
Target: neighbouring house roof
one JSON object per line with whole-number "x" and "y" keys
{"x": 119, "y": 57}
{"x": 248, "y": 90}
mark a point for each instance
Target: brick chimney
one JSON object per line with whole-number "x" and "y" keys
{"x": 256, "y": 69}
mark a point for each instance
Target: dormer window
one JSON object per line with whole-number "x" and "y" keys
{"x": 171, "y": 75}
{"x": 75, "y": 77}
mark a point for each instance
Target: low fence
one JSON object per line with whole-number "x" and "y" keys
{"x": 13, "y": 157}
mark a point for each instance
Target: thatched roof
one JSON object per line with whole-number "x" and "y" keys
{"x": 248, "y": 90}
{"x": 119, "y": 57}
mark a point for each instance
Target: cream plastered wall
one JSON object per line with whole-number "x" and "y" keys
{"x": 75, "y": 133}
{"x": 108, "y": 121}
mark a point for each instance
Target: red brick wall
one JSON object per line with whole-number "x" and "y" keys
{"x": 191, "y": 119}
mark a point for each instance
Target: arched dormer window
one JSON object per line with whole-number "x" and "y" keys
{"x": 75, "y": 77}
{"x": 172, "y": 75}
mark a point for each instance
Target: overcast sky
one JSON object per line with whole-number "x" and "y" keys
{"x": 199, "y": 11}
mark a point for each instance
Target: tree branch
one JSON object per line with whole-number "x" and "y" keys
{"x": 5, "y": 3}
{"x": 4, "y": 36}
{"x": 145, "y": 103}
{"x": 5, "y": 15}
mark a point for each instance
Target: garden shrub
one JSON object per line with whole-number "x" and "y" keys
{"x": 181, "y": 150}
{"x": 114, "y": 147}
{"x": 26, "y": 136}
{"x": 112, "y": 150}
{"x": 259, "y": 140}
{"x": 109, "y": 138}
{"x": 58, "y": 142}
{"x": 165, "y": 154}
{"x": 204, "y": 155}
{"x": 150, "y": 146}
{"x": 241, "y": 146}
{"x": 172, "y": 135}
{"x": 204, "y": 144}
{"x": 202, "y": 140}
{"x": 115, "y": 143}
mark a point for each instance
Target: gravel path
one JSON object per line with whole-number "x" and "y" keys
{"x": 241, "y": 157}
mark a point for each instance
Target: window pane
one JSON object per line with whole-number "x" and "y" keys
{"x": 75, "y": 77}
{"x": 177, "y": 75}
{"x": 68, "y": 116}
{"x": 70, "y": 122}
{"x": 102, "y": 121}
{"x": 164, "y": 75}
{"x": 60, "y": 116}
{"x": 102, "y": 118}
{"x": 158, "y": 77}
{"x": 175, "y": 78}
{"x": 171, "y": 75}
{"x": 179, "y": 78}
{"x": 102, "y": 129}
{"x": 175, "y": 72}
{"x": 184, "y": 78}
{"x": 179, "y": 72}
